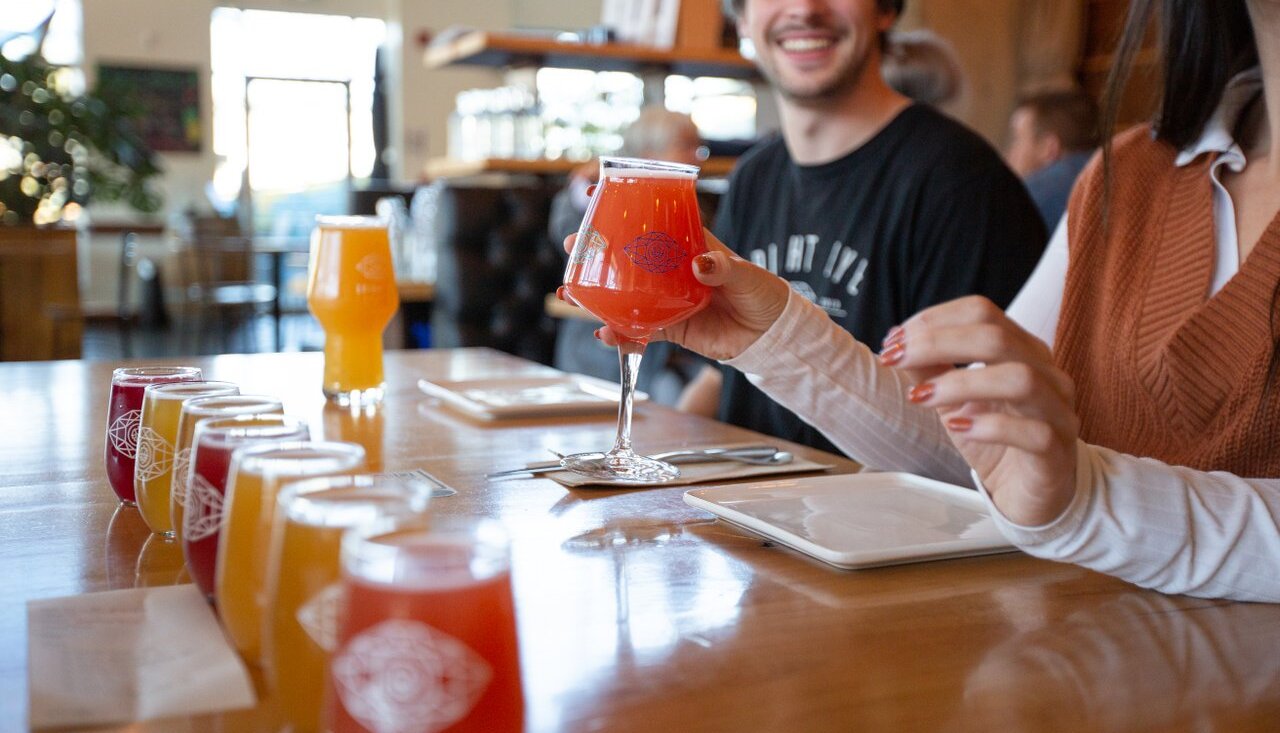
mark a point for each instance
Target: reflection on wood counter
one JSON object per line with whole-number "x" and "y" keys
{"x": 639, "y": 613}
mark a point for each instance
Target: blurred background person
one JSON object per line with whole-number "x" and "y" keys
{"x": 657, "y": 134}
{"x": 1052, "y": 135}
{"x": 919, "y": 64}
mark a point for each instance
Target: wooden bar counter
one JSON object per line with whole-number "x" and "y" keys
{"x": 639, "y": 613}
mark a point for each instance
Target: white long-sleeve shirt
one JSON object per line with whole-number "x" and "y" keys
{"x": 1165, "y": 527}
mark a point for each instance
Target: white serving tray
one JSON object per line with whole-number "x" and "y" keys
{"x": 545, "y": 395}
{"x": 860, "y": 520}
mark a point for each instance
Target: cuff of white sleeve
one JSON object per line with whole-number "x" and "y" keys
{"x": 755, "y": 358}
{"x": 1066, "y": 524}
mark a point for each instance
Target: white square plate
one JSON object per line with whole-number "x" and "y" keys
{"x": 557, "y": 393}
{"x": 860, "y": 520}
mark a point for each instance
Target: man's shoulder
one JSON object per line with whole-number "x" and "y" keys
{"x": 769, "y": 152}
{"x": 939, "y": 143}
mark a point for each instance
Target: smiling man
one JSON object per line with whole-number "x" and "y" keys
{"x": 871, "y": 206}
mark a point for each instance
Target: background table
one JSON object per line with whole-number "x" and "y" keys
{"x": 639, "y": 613}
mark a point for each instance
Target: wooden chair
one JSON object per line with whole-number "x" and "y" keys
{"x": 219, "y": 287}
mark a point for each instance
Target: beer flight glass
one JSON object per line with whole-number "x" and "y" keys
{"x": 194, "y": 412}
{"x": 157, "y": 433}
{"x": 254, "y": 480}
{"x": 303, "y": 595}
{"x": 428, "y": 637}
{"x": 351, "y": 290}
{"x": 212, "y": 445}
{"x": 632, "y": 267}
{"x": 124, "y": 411}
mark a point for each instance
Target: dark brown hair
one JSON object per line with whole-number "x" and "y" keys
{"x": 1070, "y": 115}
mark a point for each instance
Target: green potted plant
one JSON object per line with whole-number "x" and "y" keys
{"x": 59, "y": 149}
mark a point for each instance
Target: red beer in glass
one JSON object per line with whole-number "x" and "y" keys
{"x": 632, "y": 267}
{"x": 124, "y": 409}
{"x": 427, "y": 640}
{"x": 214, "y": 442}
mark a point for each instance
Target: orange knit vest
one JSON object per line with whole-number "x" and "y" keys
{"x": 1162, "y": 369}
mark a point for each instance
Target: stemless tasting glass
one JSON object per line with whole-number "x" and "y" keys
{"x": 157, "y": 432}
{"x": 123, "y": 410}
{"x": 253, "y": 482}
{"x": 351, "y": 290}
{"x": 214, "y": 441}
{"x": 194, "y": 412}
{"x": 427, "y": 640}
{"x": 303, "y": 592}
{"x": 631, "y": 267}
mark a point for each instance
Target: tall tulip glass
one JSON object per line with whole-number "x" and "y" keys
{"x": 632, "y": 267}
{"x": 351, "y": 290}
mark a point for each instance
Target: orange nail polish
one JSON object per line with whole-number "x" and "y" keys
{"x": 959, "y": 424}
{"x": 895, "y": 336}
{"x": 921, "y": 392}
{"x": 893, "y": 354}
{"x": 706, "y": 264}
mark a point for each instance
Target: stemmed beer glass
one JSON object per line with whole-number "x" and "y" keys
{"x": 632, "y": 267}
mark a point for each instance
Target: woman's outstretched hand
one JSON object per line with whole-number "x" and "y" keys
{"x": 745, "y": 301}
{"x": 1013, "y": 417}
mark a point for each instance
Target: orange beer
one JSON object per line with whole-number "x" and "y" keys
{"x": 303, "y": 593}
{"x": 257, "y": 473}
{"x": 631, "y": 265}
{"x": 351, "y": 290}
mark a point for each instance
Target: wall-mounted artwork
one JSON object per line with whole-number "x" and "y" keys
{"x": 169, "y": 99}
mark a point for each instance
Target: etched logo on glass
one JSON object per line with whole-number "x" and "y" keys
{"x": 155, "y": 455}
{"x": 404, "y": 676}
{"x": 123, "y": 433}
{"x": 656, "y": 252}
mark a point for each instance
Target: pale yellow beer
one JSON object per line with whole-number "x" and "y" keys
{"x": 303, "y": 592}
{"x": 157, "y": 432}
{"x": 194, "y": 412}
{"x": 256, "y": 475}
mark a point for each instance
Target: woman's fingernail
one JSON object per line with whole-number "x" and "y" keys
{"x": 921, "y": 392}
{"x": 893, "y": 354}
{"x": 560, "y": 293}
{"x": 895, "y": 336}
{"x": 705, "y": 263}
{"x": 596, "y": 333}
{"x": 591, "y": 189}
{"x": 959, "y": 424}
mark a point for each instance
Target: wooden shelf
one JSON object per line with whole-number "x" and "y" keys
{"x": 448, "y": 168}
{"x": 500, "y": 50}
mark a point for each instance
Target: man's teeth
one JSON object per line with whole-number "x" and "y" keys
{"x": 805, "y": 44}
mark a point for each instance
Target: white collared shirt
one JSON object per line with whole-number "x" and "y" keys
{"x": 1039, "y": 302}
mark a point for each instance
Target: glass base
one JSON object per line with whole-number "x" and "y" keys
{"x": 629, "y": 467}
{"x": 355, "y": 397}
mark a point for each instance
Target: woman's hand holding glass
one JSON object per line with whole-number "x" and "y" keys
{"x": 745, "y": 302}
{"x": 1012, "y": 418}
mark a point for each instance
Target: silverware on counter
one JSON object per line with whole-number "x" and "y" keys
{"x": 755, "y": 455}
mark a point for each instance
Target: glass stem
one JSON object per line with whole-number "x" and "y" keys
{"x": 629, "y": 355}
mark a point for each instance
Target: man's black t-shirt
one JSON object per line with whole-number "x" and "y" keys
{"x": 923, "y": 212}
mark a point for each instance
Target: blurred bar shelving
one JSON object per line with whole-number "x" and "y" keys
{"x": 481, "y": 48}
